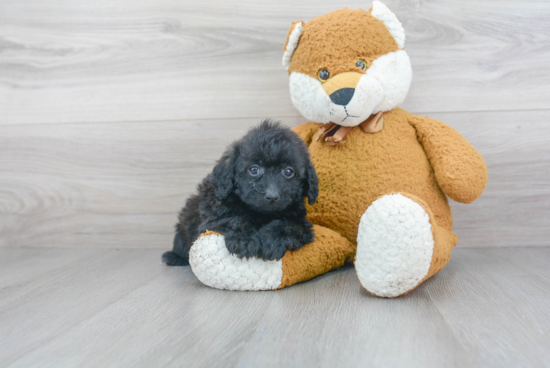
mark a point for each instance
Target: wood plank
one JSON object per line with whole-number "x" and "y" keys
{"x": 487, "y": 308}
{"x": 21, "y": 265}
{"x": 33, "y": 313}
{"x": 174, "y": 319}
{"x": 170, "y": 60}
{"x": 171, "y": 316}
{"x": 122, "y": 184}
{"x": 527, "y": 258}
{"x": 334, "y": 322}
{"x": 497, "y": 304}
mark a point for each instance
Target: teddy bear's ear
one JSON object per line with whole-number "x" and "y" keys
{"x": 292, "y": 39}
{"x": 391, "y": 22}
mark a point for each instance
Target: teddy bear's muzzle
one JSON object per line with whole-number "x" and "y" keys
{"x": 342, "y": 96}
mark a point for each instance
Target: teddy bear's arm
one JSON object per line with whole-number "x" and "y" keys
{"x": 307, "y": 131}
{"x": 459, "y": 169}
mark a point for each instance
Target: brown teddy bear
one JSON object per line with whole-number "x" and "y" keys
{"x": 384, "y": 173}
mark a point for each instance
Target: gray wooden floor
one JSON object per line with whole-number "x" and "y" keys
{"x": 107, "y": 307}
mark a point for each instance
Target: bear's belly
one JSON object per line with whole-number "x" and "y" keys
{"x": 369, "y": 166}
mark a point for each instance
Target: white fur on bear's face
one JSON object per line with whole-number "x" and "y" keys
{"x": 383, "y": 87}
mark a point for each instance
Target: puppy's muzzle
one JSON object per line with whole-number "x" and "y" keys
{"x": 272, "y": 194}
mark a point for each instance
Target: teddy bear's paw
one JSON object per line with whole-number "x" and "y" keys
{"x": 394, "y": 246}
{"x": 214, "y": 266}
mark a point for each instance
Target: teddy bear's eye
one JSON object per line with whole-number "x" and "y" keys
{"x": 323, "y": 75}
{"x": 361, "y": 64}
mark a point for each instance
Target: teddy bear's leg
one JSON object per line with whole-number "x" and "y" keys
{"x": 328, "y": 252}
{"x": 399, "y": 245}
{"x": 216, "y": 267}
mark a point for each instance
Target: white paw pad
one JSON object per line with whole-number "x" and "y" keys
{"x": 394, "y": 246}
{"x": 214, "y": 266}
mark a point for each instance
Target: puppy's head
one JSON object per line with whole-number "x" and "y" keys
{"x": 269, "y": 169}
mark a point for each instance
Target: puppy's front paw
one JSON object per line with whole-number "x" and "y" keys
{"x": 243, "y": 246}
{"x": 272, "y": 250}
{"x": 276, "y": 240}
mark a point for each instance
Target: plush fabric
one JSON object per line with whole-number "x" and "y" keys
{"x": 395, "y": 230}
{"x": 383, "y": 86}
{"x": 329, "y": 42}
{"x": 396, "y": 159}
{"x": 214, "y": 266}
{"x": 329, "y": 251}
{"x": 418, "y": 157}
{"x": 391, "y": 22}
{"x": 460, "y": 170}
{"x": 292, "y": 41}
{"x": 382, "y": 189}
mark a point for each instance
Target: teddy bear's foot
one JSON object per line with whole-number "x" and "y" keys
{"x": 214, "y": 266}
{"x": 399, "y": 245}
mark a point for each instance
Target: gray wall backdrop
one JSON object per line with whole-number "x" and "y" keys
{"x": 112, "y": 111}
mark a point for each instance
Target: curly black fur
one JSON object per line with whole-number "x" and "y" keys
{"x": 260, "y": 212}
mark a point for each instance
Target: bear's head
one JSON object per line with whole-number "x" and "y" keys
{"x": 346, "y": 65}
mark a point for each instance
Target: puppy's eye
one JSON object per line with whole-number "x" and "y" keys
{"x": 323, "y": 75}
{"x": 361, "y": 64}
{"x": 254, "y": 170}
{"x": 288, "y": 173}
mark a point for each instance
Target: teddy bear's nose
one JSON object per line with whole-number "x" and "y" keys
{"x": 342, "y": 96}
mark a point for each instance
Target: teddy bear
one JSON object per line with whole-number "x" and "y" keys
{"x": 384, "y": 173}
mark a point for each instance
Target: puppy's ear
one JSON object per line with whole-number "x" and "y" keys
{"x": 224, "y": 174}
{"x": 312, "y": 184}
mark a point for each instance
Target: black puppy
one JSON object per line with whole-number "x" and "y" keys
{"x": 254, "y": 197}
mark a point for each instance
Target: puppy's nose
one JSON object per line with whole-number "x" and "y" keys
{"x": 272, "y": 198}
{"x": 342, "y": 96}
{"x": 271, "y": 195}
